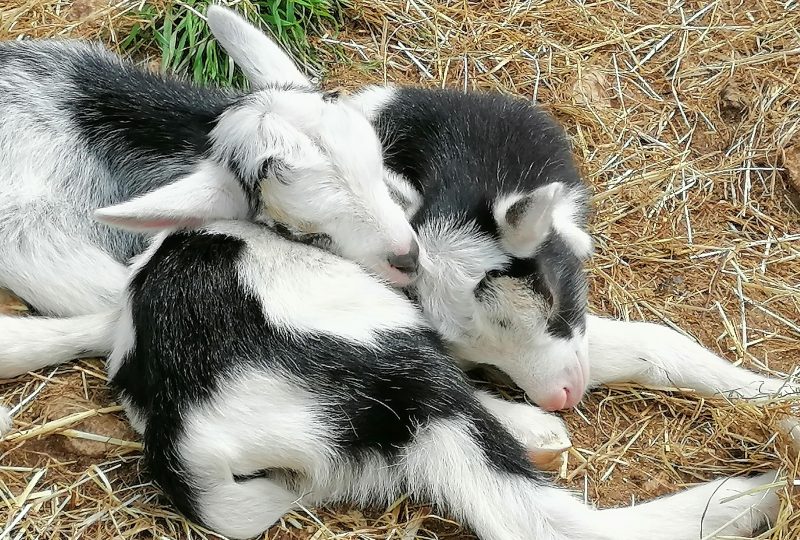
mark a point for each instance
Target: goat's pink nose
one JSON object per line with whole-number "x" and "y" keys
{"x": 555, "y": 401}
{"x": 564, "y": 398}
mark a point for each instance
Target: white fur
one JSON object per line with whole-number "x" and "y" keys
{"x": 657, "y": 356}
{"x": 565, "y": 222}
{"x": 262, "y": 421}
{"x": 62, "y": 274}
{"x": 524, "y": 237}
{"x": 135, "y": 417}
{"x": 6, "y": 422}
{"x": 371, "y": 99}
{"x": 729, "y": 508}
{"x": 46, "y": 257}
{"x": 403, "y": 193}
{"x": 551, "y": 206}
{"x": 30, "y": 343}
{"x": 123, "y": 340}
{"x": 458, "y": 257}
{"x": 445, "y": 465}
{"x": 534, "y": 428}
{"x": 208, "y": 194}
{"x": 339, "y": 311}
{"x": 124, "y": 337}
{"x": 261, "y": 59}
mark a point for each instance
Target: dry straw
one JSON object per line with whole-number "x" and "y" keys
{"x": 685, "y": 118}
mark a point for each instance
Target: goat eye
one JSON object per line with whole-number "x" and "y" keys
{"x": 273, "y": 166}
{"x": 483, "y": 284}
{"x": 331, "y": 96}
{"x": 266, "y": 167}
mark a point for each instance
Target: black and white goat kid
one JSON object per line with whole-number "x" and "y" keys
{"x": 490, "y": 185}
{"x": 286, "y": 376}
{"x": 82, "y": 130}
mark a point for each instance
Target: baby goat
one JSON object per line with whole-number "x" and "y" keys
{"x": 81, "y": 129}
{"x": 355, "y": 399}
{"x": 286, "y": 376}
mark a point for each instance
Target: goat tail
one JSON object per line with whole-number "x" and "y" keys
{"x": 31, "y": 343}
{"x": 476, "y": 471}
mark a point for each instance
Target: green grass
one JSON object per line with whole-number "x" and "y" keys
{"x": 186, "y": 44}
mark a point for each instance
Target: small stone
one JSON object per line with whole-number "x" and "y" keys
{"x": 104, "y": 425}
{"x": 592, "y": 88}
{"x": 733, "y": 102}
{"x": 791, "y": 163}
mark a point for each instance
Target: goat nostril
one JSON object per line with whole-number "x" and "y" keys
{"x": 408, "y": 262}
{"x": 413, "y": 249}
{"x": 571, "y": 398}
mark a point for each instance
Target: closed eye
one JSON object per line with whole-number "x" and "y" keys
{"x": 483, "y": 285}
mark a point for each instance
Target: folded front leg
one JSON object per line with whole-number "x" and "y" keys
{"x": 544, "y": 435}
{"x": 657, "y": 356}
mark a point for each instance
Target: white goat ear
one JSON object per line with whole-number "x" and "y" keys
{"x": 525, "y": 220}
{"x": 261, "y": 60}
{"x": 208, "y": 194}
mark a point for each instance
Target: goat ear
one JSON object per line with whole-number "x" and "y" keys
{"x": 262, "y": 61}
{"x": 576, "y": 238}
{"x": 526, "y": 220}
{"x": 208, "y": 194}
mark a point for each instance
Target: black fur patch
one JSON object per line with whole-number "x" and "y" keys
{"x": 463, "y": 150}
{"x": 144, "y": 130}
{"x": 195, "y": 326}
{"x": 121, "y": 107}
{"x": 566, "y": 278}
{"x": 517, "y": 211}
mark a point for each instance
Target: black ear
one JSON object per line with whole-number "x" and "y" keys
{"x": 525, "y": 220}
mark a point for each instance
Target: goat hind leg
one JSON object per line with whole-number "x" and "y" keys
{"x": 63, "y": 276}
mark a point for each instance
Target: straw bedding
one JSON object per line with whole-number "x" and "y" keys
{"x": 685, "y": 117}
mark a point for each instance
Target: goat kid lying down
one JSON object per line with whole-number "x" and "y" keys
{"x": 529, "y": 425}
{"x": 286, "y": 376}
{"x": 82, "y": 129}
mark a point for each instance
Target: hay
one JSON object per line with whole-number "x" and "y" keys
{"x": 685, "y": 117}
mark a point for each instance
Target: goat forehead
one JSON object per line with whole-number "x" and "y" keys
{"x": 460, "y": 249}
